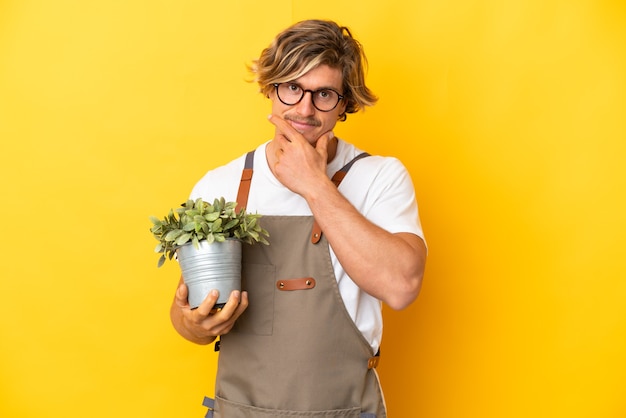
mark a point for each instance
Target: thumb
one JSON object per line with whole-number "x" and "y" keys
{"x": 182, "y": 293}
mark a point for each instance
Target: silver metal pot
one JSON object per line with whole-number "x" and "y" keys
{"x": 212, "y": 266}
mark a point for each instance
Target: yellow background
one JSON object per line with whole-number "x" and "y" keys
{"x": 510, "y": 116}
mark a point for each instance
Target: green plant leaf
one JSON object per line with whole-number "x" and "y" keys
{"x": 212, "y": 217}
{"x": 191, "y": 226}
{"x": 231, "y": 224}
{"x": 172, "y": 235}
{"x": 183, "y": 239}
{"x": 192, "y": 212}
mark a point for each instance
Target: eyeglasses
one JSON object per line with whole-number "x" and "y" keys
{"x": 324, "y": 99}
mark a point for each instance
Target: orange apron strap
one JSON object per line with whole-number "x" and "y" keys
{"x": 244, "y": 185}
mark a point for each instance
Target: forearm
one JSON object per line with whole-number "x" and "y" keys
{"x": 385, "y": 265}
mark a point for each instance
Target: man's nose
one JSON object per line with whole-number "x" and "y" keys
{"x": 305, "y": 106}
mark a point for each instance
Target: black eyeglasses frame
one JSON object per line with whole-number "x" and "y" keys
{"x": 305, "y": 91}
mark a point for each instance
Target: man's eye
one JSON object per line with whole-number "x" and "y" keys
{"x": 324, "y": 94}
{"x": 293, "y": 88}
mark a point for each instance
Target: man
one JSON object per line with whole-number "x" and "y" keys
{"x": 301, "y": 338}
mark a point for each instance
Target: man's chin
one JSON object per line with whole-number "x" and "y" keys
{"x": 313, "y": 142}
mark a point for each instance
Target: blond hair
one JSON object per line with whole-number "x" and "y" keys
{"x": 307, "y": 45}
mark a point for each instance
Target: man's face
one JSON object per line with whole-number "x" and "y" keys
{"x": 303, "y": 116}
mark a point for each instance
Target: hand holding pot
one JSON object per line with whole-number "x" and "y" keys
{"x": 201, "y": 325}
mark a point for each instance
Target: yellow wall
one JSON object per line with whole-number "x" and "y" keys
{"x": 509, "y": 115}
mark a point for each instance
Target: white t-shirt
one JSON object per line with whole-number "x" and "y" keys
{"x": 380, "y": 188}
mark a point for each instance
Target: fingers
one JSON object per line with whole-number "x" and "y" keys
{"x": 232, "y": 316}
{"x": 204, "y": 309}
{"x": 180, "y": 297}
{"x": 234, "y": 303}
{"x": 215, "y": 322}
{"x": 203, "y": 323}
{"x": 243, "y": 304}
{"x": 286, "y": 132}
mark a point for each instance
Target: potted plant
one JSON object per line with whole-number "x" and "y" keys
{"x": 206, "y": 239}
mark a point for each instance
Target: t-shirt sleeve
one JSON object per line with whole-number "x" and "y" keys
{"x": 382, "y": 190}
